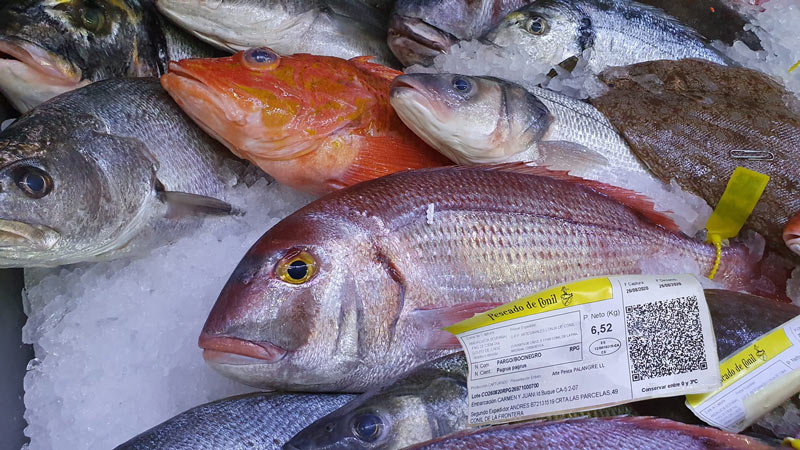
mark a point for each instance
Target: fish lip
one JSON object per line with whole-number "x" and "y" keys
{"x": 218, "y": 349}
{"x": 414, "y": 41}
{"x": 189, "y": 78}
{"x": 409, "y": 87}
{"x": 16, "y": 234}
{"x": 39, "y": 60}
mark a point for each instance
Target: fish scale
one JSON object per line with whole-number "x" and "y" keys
{"x": 386, "y": 280}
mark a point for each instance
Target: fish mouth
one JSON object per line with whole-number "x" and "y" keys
{"x": 233, "y": 351}
{"x": 15, "y": 234}
{"x": 413, "y": 41}
{"x": 408, "y": 91}
{"x": 30, "y": 75}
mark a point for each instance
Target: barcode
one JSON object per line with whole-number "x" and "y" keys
{"x": 665, "y": 338}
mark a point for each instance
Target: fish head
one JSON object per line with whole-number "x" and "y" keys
{"x": 470, "y": 119}
{"x": 64, "y": 191}
{"x": 269, "y": 107}
{"x": 548, "y": 31}
{"x": 414, "y": 41}
{"x": 290, "y": 316}
{"x": 48, "y": 47}
{"x": 416, "y": 408}
{"x": 237, "y": 25}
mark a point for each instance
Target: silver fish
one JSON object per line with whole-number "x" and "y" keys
{"x": 431, "y": 401}
{"x": 485, "y": 120}
{"x": 109, "y": 169}
{"x": 262, "y": 421}
{"x": 51, "y": 47}
{"x": 353, "y": 289}
{"x": 332, "y": 28}
{"x": 618, "y": 32}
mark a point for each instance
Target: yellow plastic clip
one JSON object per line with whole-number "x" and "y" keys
{"x": 792, "y": 442}
{"x": 740, "y": 197}
{"x": 795, "y": 66}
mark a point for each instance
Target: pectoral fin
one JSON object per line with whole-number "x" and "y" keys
{"x": 565, "y": 155}
{"x": 431, "y": 322}
{"x": 182, "y": 204}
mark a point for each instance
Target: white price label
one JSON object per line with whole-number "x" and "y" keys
{"x": 589, "y": 344}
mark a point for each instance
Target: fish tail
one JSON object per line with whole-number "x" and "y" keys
{"x": 744, "y": 269}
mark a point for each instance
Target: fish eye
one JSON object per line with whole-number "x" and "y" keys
{"x": 92, "y": 18}
{"x": 367, "y": 427}
{"x": 296, "y": 267}
{"x": 462, "y": 84}
{"x": 536, "y": 25}
{"x": 34, "y": 182}
{"x": 261, "y": 58}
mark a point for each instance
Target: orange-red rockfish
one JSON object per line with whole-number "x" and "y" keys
{"x": 316, "y": 123}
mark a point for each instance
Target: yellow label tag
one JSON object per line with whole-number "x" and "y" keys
{"x": 740, "y": 197}
{"x": 745, "y": 361}
{"x": 562, "y": 296}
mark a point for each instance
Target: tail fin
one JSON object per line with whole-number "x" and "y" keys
{"x": 744, "y": 269}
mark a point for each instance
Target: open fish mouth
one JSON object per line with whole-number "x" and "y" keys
{"x": 233, "y": 351}
{"x": 20, "y": 235}
{"x": 414, "y": 41}
{"x": 30, "y": 75}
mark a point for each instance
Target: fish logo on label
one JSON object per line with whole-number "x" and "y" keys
{"x": 760, "y": 353}
{"x": 566, "y": 296}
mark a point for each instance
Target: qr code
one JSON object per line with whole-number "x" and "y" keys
{"x": 665, "y": 338}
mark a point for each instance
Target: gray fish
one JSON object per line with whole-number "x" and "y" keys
{"x": 109, "y": 169}
{"x": 486, "y": 120}
{"x": 342, "y": 28}
{"x": 431, "y": 401}
{"x": 51, "y": 47}
{"x": 262, "y": 421}
{"x": 421, "y": 29}
{"x": 618, "y": 32}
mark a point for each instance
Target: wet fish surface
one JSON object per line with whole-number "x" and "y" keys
{"x": 367, "y": 276}
{"x": 316, "y": 123}
{"x": 486, "y": 120}
{"x": 419, "y": 30}
{"x": 342, "y": 28}
{"x": 47, "y": 48}
{"x": 696, "y": 122}
{"x": 110, "y": 169}
{"x": 262, "y": 421}
{"x": 431, "y": 401}
{"x": 603, "y": 433}
{"x": 616, "y": 32}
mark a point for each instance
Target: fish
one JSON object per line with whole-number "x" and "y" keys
{"x": 431, "y": 401}
{"x": 354, "y": 288}
{"x": 420, "y": 30}
{"x": 51, "y": 47}
{"x": 615, "y": 33}
{"x": 342, "y": 28}
{"x": 315, "y": 123}
{"x": 486, "y": 120}
{"x": 603, "y": 433}
{"x": 260, "y": 421}
{"x": 678, "y": 105}
{"x": 111, "y": 169}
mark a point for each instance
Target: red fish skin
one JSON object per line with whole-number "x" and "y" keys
{"x": 316, "y": 123}
{"x": 385, "y": 274}
{"x": 617, "y": 433}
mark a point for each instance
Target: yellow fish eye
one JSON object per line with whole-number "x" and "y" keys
{"x": 296, "y": 267}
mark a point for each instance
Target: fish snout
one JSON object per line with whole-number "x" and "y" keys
{"x": 221, "y": 349}
{"x": 414, "y": 41}
{"x": 791, "y": 234}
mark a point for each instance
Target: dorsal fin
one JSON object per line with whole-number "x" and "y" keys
{"x": 638, "y": 202}
{"x": 364, "y": 63}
